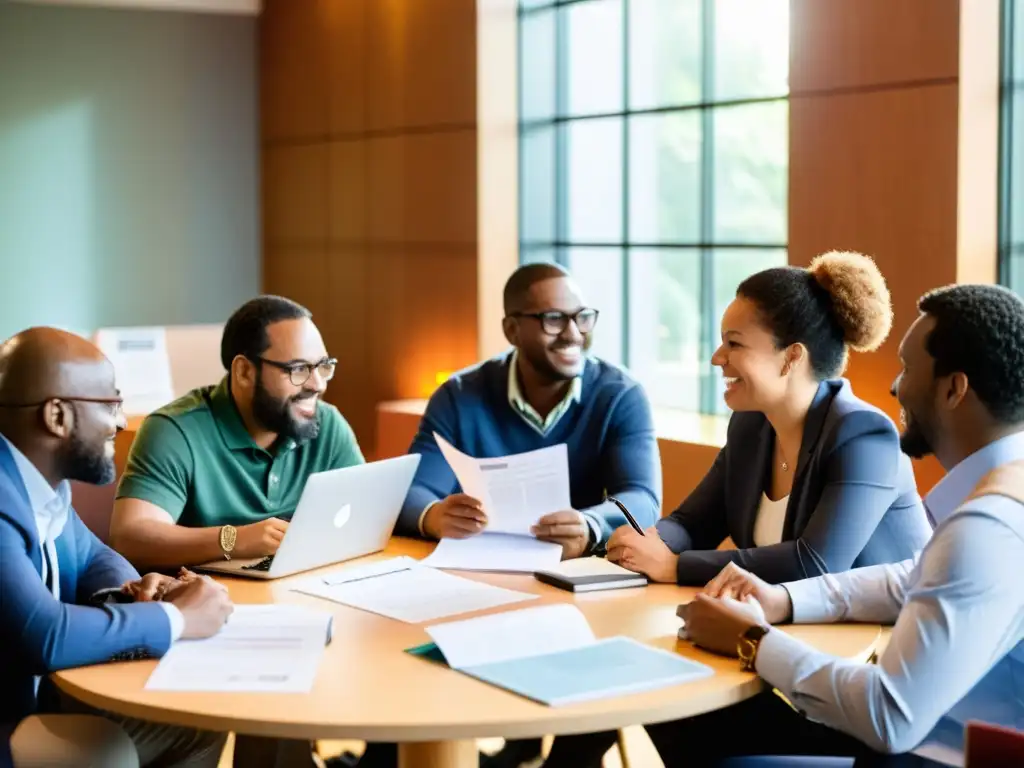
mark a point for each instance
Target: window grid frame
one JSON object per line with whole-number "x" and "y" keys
{"x": 705, "y": 247}
{"x": 1010, "y": 241}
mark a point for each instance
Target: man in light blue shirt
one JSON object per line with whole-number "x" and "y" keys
{"x": 957, "y": 648}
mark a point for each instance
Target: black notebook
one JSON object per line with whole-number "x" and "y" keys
{"x": 590, "y": 574}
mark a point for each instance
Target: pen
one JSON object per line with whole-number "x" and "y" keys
{"x": 629, "y": 517}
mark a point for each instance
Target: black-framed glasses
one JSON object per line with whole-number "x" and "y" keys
{"x": 299, "y": 373}
{"x": 116, "y": 403}
{"x": 554, "y": 322}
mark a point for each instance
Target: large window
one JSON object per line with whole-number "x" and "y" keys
{"x": 653, "y": 164}
{"x": 1011, "y": 204}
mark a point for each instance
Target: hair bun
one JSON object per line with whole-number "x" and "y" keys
{"x": 860, "y": 298}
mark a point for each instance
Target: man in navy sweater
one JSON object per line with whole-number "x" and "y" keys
{"x": 543, "y": 392}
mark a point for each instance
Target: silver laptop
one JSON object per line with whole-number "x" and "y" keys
{"x": 342, "y": 514}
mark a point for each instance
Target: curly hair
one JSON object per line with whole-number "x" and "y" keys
{"x": 840, "y": 302}
{"x": 979, "y": 331}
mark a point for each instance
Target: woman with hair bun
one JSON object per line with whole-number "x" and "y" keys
{"x": 811, "y": 479}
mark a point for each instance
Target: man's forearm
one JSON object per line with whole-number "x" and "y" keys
{"x": 874, "y": 593}
{"x": 152, "y": 545}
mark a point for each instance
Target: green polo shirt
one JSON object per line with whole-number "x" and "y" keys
{"x": 195, "y": 459}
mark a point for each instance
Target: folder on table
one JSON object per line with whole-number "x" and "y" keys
{"x": 549, "y": 654}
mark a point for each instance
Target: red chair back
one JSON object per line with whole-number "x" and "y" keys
{"x": 991, "y": 746}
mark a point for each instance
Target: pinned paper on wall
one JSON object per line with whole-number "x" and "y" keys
{"x": 142, "y": 366}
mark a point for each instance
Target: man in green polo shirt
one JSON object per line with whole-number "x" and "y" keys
{"x": 220, "y": 471}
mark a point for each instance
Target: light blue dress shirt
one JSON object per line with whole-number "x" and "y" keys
{"x": 51, "y": 508}
{"x": 957, "y": 647}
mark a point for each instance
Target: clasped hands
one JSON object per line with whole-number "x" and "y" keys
{"x": 730, "y": 604}
{"x": 156, "y": 586}
{"x": 460, "y": 516}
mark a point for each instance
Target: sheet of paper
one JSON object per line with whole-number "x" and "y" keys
{"x": 262, "y": 648}
{"x": 497, "y": 552}
{"x": 415, "y": 595}
{"x": 371, "y": 570}
{"x": 589, "y": 566}
{"x": 512, "y": 635}
{"x": 515, "y": 490}
{"x": 142, "y": 367}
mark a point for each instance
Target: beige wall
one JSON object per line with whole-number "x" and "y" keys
{"x": 369, "y": 138}
{"x": 893, "y": 150}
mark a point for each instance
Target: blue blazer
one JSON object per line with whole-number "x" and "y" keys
{"x": 40, "y": 635}
{"x": 854, "y": 501}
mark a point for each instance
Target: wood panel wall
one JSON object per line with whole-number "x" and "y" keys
{"x": 893, "y": 151}
{"x": 369, "y": 158}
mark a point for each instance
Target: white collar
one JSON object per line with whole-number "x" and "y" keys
{"x": 49, "y": 506}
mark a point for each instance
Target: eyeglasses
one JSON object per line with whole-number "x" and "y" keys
{"x": 554, "y": 322}
{"x": 299, "y": 373}
{"x": 116, "y": 403}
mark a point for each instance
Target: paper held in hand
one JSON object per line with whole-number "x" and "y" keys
{"x": 516, "y": 491}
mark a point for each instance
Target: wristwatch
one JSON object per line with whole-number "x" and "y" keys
{"x": 747, "y": 645}
{"x": 228, "y": 537}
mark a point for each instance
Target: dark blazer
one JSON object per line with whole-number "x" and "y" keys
{"x": 854, "y": 501}
{"x": 39, "y": 634}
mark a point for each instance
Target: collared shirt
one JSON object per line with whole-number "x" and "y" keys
{"x": 957, "y": 650}
{"x": 195, "y": 459}
{"x": 52, "y": 508}
{"x": 527, "y": 411}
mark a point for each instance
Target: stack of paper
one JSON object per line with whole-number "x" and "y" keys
{"x": 549, "y": 654}
{"x": 499, "y": 552}
{"x": 411, "y": 594}
{"x": 262, "y": 648}
{"x": 516, "y": 491}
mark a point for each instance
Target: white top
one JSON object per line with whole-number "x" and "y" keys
{"x": 957, "y": 650}
{"x": 771, "y": 516}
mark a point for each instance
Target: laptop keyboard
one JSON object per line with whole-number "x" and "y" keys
{"x": 262, "y": 565}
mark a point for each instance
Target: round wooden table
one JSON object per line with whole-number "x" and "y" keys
{"x": 368, "y": 689}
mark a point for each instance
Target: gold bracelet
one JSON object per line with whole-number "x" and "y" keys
{"x": 228, "y": 537}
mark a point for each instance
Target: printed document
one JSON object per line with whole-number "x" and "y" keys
{"x": 495, "y": 552}
{"x": 516, "y": 491}
{"x": 549, "y": 654}
{"x": 142, "y": 366}
{"x": 262, "y": 648}
{"x": 413, "y": 595}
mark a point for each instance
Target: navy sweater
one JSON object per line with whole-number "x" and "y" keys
{"x": 609, "y": 436}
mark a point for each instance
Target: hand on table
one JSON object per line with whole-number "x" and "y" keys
{"x": 646, "y": 554}
{"x": 458, "y": 516}
{"x": 204, "y": 604}
{"x": 155, "y": 586}
{"x": 718, "y": 624}
{"x": 568, "y": 528}
{"x": 733, "y": 581}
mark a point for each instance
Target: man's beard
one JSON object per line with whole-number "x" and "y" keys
{"x": 85, "y": 463}
{"x": 275, "y": 415}
{"x": 914, "y": 440}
